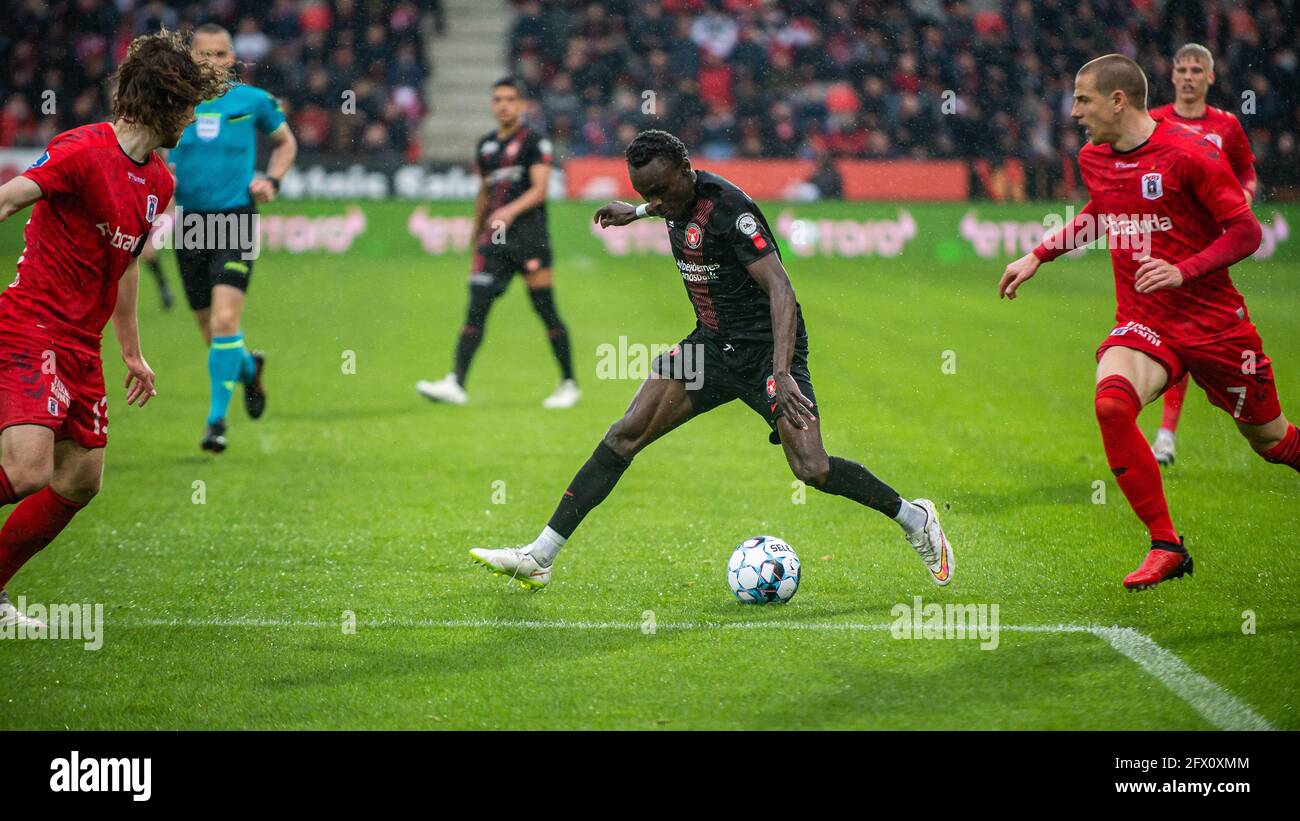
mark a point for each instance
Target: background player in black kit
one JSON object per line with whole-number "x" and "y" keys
{"x": 510, "y": 236}
{"x": 749, "y": 343}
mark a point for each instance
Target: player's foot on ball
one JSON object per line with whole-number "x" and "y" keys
{"x": 566, "y": 395}
{"x": 1163, "y": 449}
{"x": 11, "y": 616}
{"x": 254, "y": 394}
{"x": 447, "y": 390}
{"x": 515, "y": 563}
{"x": 1160, "y": 565}
{"x": 933, "y": 546}
{"x": 214, "y": 439}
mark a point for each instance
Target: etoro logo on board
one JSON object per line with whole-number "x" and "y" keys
{"x": 126, "y": 775}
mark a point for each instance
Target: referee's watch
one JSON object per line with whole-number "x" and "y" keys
{"x": 275, "y": 183}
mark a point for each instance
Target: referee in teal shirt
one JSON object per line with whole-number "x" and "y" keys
{"x": 213, "y": 163}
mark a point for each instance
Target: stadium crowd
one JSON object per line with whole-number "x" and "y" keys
{"x": 929, "y": 79}
{"x": 56, "y": 57}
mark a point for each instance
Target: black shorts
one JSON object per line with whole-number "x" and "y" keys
{"x": 717, "y": 371}
{"x": 495, "y": 265}
{"x": 201, "y": 269}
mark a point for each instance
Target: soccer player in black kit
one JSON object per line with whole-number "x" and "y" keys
{"x": 510, "y": 237}
{"x": 751, "y": 344}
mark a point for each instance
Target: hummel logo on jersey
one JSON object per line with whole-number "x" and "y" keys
{"x": 1152, "y": 186}
{"x": 133, "y": 178}
{"x": 1120, "y": 164}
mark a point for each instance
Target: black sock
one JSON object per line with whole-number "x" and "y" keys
{"x": 155, "y": 268}
{"x": 853, "y": 481}
{"x": 544, "y": 304}
{"x": 471, "y": 333}
{"x": 593, "y": 482}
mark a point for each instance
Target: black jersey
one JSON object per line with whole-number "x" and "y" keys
{"x": 503, "y": 165}
{"x": 725, "y": 232}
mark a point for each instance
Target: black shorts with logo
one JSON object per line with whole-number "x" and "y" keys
{"x": 716, "y": 371}
{"x": 219, "y": 262}
{"x": 528, "y": 249}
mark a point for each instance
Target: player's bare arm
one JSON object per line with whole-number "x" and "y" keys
{"x": 614, "y": 214}
{"x": 770, "y": 275}
{"x": 139, "y": 377}
{"x": 284, "y": 152}
{"x": 539, "y": 177}
{"x": 16, "y": 195}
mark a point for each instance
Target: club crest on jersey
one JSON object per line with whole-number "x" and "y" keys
{"x": 746, "y": 224}
{"x": 150, "y": 207}
{"x": 694, "y": 236}
{"x": 771, "y": 387}
{"x": 1152, "y": 186}
{"x": 512, "y": 150}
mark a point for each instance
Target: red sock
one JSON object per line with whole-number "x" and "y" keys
{"x": 31, "y": 526}
{"x": 7, "y": 495}
{"x": 1174, "y": 405}
{"x": 1286, "y": 452}
{"x": 1130, "y": 456}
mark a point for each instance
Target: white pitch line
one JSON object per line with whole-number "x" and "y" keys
{"x": 1215, "y": 704}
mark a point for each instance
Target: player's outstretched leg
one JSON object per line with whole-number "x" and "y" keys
{"x": 1126, "y": 380}
{"x": 54, "y": 480}
{"x": 1172, "y": 409}
{"x": 566, "y": 394}
{"x": 843, "y": 477}
{"x": 451, "y": 388}
{"x": 659, "y": 406}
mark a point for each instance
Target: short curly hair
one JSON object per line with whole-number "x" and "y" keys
{"x": 655, "y": 143}
{"x": 159, "y": 80}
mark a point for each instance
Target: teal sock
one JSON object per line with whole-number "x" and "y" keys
{"x": 247, "y": 368}
{"x": 225, "y": 360}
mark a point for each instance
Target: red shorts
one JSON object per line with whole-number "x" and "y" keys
{"x": 54, "y": 387}
{"x": 1233, "y": 371}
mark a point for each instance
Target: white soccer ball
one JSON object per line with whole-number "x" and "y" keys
{"x": 763, "y": 569}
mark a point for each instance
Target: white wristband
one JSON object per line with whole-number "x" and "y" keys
{"x": 642, "y": 210}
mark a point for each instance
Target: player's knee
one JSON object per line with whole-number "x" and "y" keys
{"x": 811, "y": 470}
{"x": 26, "y": 476}
{"x": 80, "y": 488}
{"x": 625, "y": 438}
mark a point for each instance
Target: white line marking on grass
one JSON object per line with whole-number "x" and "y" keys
{"x": 1215, "y": 704}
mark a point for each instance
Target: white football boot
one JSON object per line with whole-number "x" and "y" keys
{"x": 565, "y": 396}
{"x": 932, "y": 546}
{"x": 10, "y": 615}
{"x": 1163, "y": 449}
{"x": 515, "y": 563}
{"x": 446, "y": 390}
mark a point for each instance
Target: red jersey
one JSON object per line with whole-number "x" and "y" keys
{"x": 93, "y": 218}
{"x": 1225, "y": 131}
{"x": 1165, "y": 198}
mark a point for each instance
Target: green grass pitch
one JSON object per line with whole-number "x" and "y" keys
{"x": 354, "y": 495}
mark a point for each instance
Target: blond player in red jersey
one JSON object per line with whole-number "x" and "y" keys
{"x": 1192, "y": 78}
{"x": 95, "y": 193}
{"x": 1175, "y": 219}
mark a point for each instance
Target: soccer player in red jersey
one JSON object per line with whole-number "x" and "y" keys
{"x": 1175, "y": 219}
{"x": 95, "y": 193}
{"x": 1193, "y": 76}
